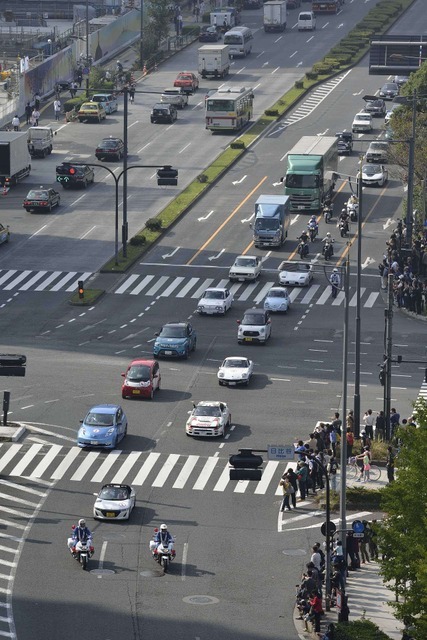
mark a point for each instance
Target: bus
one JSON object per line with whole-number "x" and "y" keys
{"x": 239, "y": 39}
{"x": 229, "y": 109}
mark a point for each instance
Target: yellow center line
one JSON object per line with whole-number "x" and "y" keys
{"x": 227, "y": 220}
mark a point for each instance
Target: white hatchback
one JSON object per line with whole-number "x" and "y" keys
{"x": 214, "y": 301}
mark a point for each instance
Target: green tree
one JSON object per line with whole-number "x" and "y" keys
{"x": 403, "y": 535}
{"x": 158, "y": 24}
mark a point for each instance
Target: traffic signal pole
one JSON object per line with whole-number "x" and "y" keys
{"x": 388, "y": 354}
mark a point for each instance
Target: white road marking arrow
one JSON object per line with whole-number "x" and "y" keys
{"x": 239, "y": 181}
{"x": 277, "y": 184}
{"x": 388, "y": 223}
{"x": 217, "y": 256}
{"x": 358, "y": 93}
{"x": 295, "y": 219}
{"x": 265, "y": 64}
{"x": 367, "y": 262}
{"x": 299, "y": 64}
{"x": 169, "y": 255}
{"x": 208, "y": 215}
{"x": 340, "y": 26}
{"x": 247, "y": 219}
{"x": 324, "y": 133}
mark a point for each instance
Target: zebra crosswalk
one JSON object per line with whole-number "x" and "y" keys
{"x": 14, "y": 280}
{"x": 182, "y": 287}
{"x": 53, "y": 462}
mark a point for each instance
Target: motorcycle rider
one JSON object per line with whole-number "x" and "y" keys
{"x": 312, "y": 225}
{"x": 162, "y": 536}
{"x": 303, "y": 237}
{"x": 81, "y": 533}
{"x": 303, "y": 245}
{"x": 335, "y": 281}
{"x": 343, "y": 222}
{"x": 119, "y": 66}
{"x": 353, "y": 206}
{"x": 328, "y": 249}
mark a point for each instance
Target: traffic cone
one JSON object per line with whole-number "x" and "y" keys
{"x": 144, "y": 70}
{"x": 5, "y": 190}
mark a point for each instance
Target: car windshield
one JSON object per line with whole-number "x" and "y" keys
{"x": 114, "y": 493}
{"x": 245, "y": 262}
{"x": 207, "y": 411}
{"x": 99, "y": 99}
{"x": 139, "y": 373}
{"x": 378, "y": 145}
{"x": 267, "y": 224}
{"x": 184, "y": 76}
{"x": 173, "y": 332}
{"x": 300, "y": 181}
{"x": 390, "y": 87}
{"x": 233, "y": 39}
{"x": 253, "y": 318}
{"x": 277, "y": 293}
{"x": 362, "y": 116}
{"x": 95, "y": 419}
{"x": 108, "y": 144}
{"x": 371, "y": 169}
{"x": 220, "y": 105}
{"x": 35, "y": 195}
{"x": 236, "y": 364}
{"x": 90, "y": 107}
{"x": 214, "y": 295}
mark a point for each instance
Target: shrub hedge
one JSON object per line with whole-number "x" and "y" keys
{"x": 359, "y": 630}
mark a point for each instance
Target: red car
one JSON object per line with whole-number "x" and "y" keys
{"x": 187, "y": 81}
{"x": 141, "y": 379}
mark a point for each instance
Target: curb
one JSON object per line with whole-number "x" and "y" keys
{"x": 12, "y": 432}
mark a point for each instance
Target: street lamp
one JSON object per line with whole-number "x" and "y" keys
{"x": 50, "y": 46}
{"x": 141, "y": 34}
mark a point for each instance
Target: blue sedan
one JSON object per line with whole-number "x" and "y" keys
{"x": 277, "y": 299}
{"x": 103, "y": 427}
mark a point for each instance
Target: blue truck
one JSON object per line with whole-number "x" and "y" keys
{"x": 270, "y": 227}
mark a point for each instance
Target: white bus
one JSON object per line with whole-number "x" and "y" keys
{"x": 229, "y": 109}
{"x": 239, "y": 39}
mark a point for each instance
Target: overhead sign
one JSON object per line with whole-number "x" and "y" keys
{"x": 397, "y": 54}
{"x": 280, "y": 452}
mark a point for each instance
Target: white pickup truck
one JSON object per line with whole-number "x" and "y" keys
{"x": 175, "y": 96}
{"x": 245, "y": 268}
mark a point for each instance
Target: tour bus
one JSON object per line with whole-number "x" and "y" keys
{"x": 239, "y": 39}
{"x": 229, "y": 109}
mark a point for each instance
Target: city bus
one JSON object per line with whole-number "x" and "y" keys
{"x": 229, "y": 109}
{"x": 239, "y": 39}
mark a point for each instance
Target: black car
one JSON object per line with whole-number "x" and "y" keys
{"x": 72, "y": 175}
{"x": 41, "y": 198}
{"x": 376, "y": 107}
{"x": 110, "y": 149}
{"x": 345, "y": 142}
{"x": 64, "y": 85}
{"x": 209, "y": 33}
{"x": 162, "y": 112}
{"x": 389, "y": 90}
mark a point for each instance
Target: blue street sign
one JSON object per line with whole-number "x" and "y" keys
{"x": 358, "y": 526}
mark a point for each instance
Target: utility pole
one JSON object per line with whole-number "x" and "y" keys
{"x": 411, "y": 169}
{"x": 343, "y": 451}
{"x": 388, "y": 347}
{"x": 356, "y": 399}
{"x": 125, "y": 171}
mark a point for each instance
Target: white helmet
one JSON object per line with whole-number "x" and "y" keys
{"x": 82, "y": 523}
{"x": 328, "y": 235}
{"x": 313, "y": 217}
{"x": 163, "y": 527}
{"x": 334, "y": 270}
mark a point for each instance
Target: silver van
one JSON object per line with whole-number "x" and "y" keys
{"x": 107, "y": 100}
{"x": 306, "y": 21}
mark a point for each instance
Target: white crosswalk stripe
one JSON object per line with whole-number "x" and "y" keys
{"x": 13, "y": 280}
{"x": 255, "y": 292}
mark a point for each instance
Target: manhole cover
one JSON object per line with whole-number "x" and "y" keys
{"x": 200, "y": 600}
{"x": 294, "y": 552}
{"x": 149, "y": 573}
{"x": 103, "y": 572}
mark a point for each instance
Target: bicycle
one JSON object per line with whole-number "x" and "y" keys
{"x": 353, "y": 471}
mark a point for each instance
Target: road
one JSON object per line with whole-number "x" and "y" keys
{"x": 242, "y": 551}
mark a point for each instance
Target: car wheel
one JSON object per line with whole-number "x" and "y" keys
{"x": 115, "y": 443}
{"x": 152, "y": 394}
{"x": 246, "y": 383}
{"x": 49, "y": 208}
{"x": 239, "y": 342}
{"x": 220, "y": 383}
{"x": 194, "y": 346}
{"x": 58, "y": 202}
{"x": 186, "y": 354}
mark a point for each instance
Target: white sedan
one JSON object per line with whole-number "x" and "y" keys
{"x": 114, "y": 502}
{"x": 295, "y": 274}
{"x": 215, "y": 300}
{"x": 235, "y": 370}
{"x": 208, "y": 419}
{"x": 277, "y": 299}
{"x": 374, "y": 174}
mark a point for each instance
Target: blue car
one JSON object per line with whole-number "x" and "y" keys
{"x": 104, "y": 426}
{"x": 175, "y": 340}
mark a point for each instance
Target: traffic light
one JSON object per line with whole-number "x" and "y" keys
{"x": 12, "y": 365}
{"x": 381, "y": 375}
{"x": 81, "y": 288}
{"x": 167, "y": 176}
{"x": 245, "y": 466}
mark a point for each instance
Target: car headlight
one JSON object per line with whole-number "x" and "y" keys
{"x": 245, "y": 375}
{"x": 219, "y": 307}
{"x": 220, "y": 374}
{"x": 110, "y": 431}
{"x": 262, "y": 330}
{"x": 83, "y": 431}
{"x": 200, "y": 308}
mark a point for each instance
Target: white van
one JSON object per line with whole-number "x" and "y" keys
{"x": 239, "y": 41}
{"x": 306, "y": 21}
{"x": 107, "y": 100}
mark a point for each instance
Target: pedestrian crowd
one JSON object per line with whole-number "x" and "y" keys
{"x": 408, "y": 269}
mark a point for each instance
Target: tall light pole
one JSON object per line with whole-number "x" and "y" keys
{"x": 343, "y": 448}
{"x": 141, "y": 35}
{"x": 87, "y": 50}
{"x": 356, "y": 397}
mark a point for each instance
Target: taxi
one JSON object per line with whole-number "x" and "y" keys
{"x": 91, "y": 111}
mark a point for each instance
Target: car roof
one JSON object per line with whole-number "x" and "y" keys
{"x": 275, "y": 289}
{"x": 255, "y": 310}
{"x": 111, "y": 139}
{"x": 295, "y": 267}
{"x": 210, "y": 403}
{"x": 105, "y": 408}
{"x": 115, "y": 484}
{"x": 161, "y": 105}
{"x": 190, "y": 73}
{"x": 222, "y": 289}
{"x": 140, "y": 361}
{"x": 179, "y": 323}
{"x": 236, "y": 358}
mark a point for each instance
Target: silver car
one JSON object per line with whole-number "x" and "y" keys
{"x": 277, "y": 299}
{"x": 114, "y": 502}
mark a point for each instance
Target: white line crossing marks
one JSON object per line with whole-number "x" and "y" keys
{"x": 12, "y": 280}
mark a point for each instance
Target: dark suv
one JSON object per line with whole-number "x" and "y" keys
{"x": 345, "y": 142}
{"x": 72, "y": 175}
{"x": 163, "y": 113}
{"x": 176, "y": 340}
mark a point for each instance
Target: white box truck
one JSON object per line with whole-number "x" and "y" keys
{"x": 15, "y": 162}
{"x": 214, "y": 60}
{"x": 275, "y": 15}
{"x": 40, "y": 141}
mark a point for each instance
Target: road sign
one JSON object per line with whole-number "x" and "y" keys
{"x": 280, "y": 452}
{"x": 332, "y": 528}
{"x": 85, "y": 71}
{"x": 358, "y": 535}
{"x": 358, "y": 526}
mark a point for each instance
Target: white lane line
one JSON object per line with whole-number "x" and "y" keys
{"x": 85, "y": 466}
{"x": 141, "y": 285}
{"x": 66, "y": 463}
{"x": 163, "y": 475}
{"x": 9, "y": 455}
{"x": 106, "y": 465}
{"x": 198, "y": 292}
{"x": 83, "y": 277}
{"x": 267, "y": 475}
{"x": 171, "y": 288}
{"x": 205, "y": 474}
{"x": 121, "y": 474}
{"x": 154, "y": 289}
{"x": 46, "y": 461}
{"x": 185, "y": 472}
{"x": 25, "y": 460}
{"x": 127, "y": 283}
{"x": 146, "y": 468}
{"x": 223, "y": 479}
{"x": 186, "y": 289}
{"x": 39, "y": 275}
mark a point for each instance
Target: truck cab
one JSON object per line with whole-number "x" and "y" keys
{"x": 271, "y": 224}
{"x": 40, "y": 141}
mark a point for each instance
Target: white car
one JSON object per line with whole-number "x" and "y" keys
{"x": 215, "y": 300}
{"x": 277, "y": 299}
{"x": 390, "y": 112}
{"x": 362, "y": 122}
{"x": 174, "y": 96}
{"x": 295, "y": 274}
{"x": 245, "y": 268}
{"x": 208, "y": 419}
{"x": 374, "y": 174}
{"x": 235, "y": 370}
{"x": 114, "y": 502}
{"x": 255, "y": 326}
{"x": 377, "y": 151}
